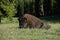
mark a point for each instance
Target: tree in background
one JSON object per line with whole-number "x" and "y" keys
{"x": 41, "y": 8}
{"x": 0, "y": 16}
{"x": 47, "y": 7}
{"x": 37, "y": 8}
{"x": 28, "y": 6}
{"x": 57, "y": 12}
{"x": 31, "y": 5}
{"x": 9, "y": 7}
{"x": 20, "y": 11}
{"x": 2, "y": 12}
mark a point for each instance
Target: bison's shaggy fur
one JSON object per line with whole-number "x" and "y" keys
{"x": 34, "y": 22}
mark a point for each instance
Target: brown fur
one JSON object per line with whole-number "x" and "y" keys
{"x": 34, "y": 22}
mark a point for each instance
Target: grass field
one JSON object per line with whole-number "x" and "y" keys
{"x": 10, "y": 31}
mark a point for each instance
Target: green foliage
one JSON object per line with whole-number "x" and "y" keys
{"x": 9, "y": 8}
{"x": 9, "y": 5}
{"x": 53, "y": 2}
{"x": 6, "y": 20}
{"x": 21, "y": 3}
{"x": 0, "y": 16}
{"x": 0, "y": 13}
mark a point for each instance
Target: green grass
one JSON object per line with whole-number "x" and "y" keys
{"x": 6, "y": 20}
{"x": 10, "y": 31}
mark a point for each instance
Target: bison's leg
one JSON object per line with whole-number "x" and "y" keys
{"x": 46, "y": 26}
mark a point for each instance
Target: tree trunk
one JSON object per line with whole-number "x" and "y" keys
{"x": 31, "y": 9}
{"x": 0, "y": 19}
{"x": 47, "y": 7}
{"x": 57, "y": 12}
{"x": 19, "y": 14}
{"x": 37, "y": 8}
{"x": 41, "y": 8}
{"x": 20, "y": 11}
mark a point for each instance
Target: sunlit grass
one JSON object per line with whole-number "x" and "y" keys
{"x": 10, "y": 31}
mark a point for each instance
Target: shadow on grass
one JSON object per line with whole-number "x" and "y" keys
{"x": 51, "y": 19}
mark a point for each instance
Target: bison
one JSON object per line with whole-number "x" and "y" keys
{"x": 30, "y": 21}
